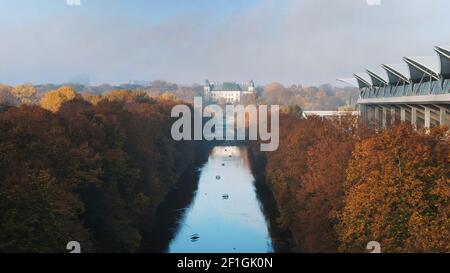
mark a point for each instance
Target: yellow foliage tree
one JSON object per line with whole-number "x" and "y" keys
{"x": 167, "y": 96}
{"x": 26, "y": 93}
{"x": 53, "y": 100}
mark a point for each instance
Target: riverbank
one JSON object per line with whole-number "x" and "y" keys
{"x": 168, "y": 213}
{"x": 283, "y": 241}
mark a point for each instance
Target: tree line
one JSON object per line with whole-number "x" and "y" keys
{"x": 339, "y": 185}
{"x": 91, "y": 169}
{"x": 323, "y": 97}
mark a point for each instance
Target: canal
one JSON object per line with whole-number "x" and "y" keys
{"x": 223, "y": 214}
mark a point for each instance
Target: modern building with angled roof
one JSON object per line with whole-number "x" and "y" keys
{"x": 417, "y": 90}
{"x": 227, "y": 92}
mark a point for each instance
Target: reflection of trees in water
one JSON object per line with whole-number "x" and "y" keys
{"x": 171, "y": 212}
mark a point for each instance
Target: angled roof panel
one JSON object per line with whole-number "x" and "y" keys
{"x": 364, "y": 80}
{"x": 378, "y": 76}
{"x": 350, "y": 81}
{"x": 444, "y": 58}
{"x": 397, "y": 73}
{"x": 421, "y": 67}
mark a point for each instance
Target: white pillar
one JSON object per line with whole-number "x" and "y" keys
{"x": 393, "y": 115}
{"x": 402, "y": 114}
{"x": 384, "y": 117}
{"x": 413, "y": 115}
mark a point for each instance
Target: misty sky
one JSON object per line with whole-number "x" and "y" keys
{"x": 187, "y": 41}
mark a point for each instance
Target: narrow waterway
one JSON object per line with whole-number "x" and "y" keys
{"x": 225, "y": 215}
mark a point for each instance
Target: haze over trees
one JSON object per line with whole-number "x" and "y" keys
{"x": 324, "y": 97}
{"x": 7, "y": 97}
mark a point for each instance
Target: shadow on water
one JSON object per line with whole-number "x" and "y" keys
{"x": 282, "y": 239}
{"x": 172, "y": 210}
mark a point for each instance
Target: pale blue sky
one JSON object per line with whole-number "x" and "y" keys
{"x": 187, "y": 41}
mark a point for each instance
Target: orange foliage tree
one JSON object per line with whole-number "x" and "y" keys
{"x": 91, "y": 171}
{"x": 307, "y": 174}
{"x": 53, "y": 100}
{"x": 398, "y": 193}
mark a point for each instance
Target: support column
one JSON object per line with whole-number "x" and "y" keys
{"x": 443, "y": 117}
{"x": 384, "y": 117}
{"x": 414, "y": 116}
{"x": 377, "y": 113}
{"x": 364, "y": 110}
{"x": 370, "y": 113}
{"x": 393, "y": 115}
{"x": 427, "y": 117}
{"x": 402, "y": 114}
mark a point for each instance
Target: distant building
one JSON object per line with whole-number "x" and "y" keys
{"x": 326, "y": 114}
{"x": 228, "y": 92}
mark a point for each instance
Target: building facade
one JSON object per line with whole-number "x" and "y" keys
{"x": 415, "y": 91}
{"x": 227, "y": 92}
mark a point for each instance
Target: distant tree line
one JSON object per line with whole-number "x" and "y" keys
{"x": 324, "y": 97}
{"x": 340, "y": 185}
{"x": 91, "y": 169}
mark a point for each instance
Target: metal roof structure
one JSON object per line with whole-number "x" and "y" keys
{"x": 349, "y": 81}
{"x": 423, "y": 67}
{"x": 364, "y": 80}
{"x": 379, "y": 77}
{"x": 397, "y": 73}
{"x": 416, "y": 76}
{"x": 444, "y": 58}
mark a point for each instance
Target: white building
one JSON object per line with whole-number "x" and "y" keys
{"x": 228, "y": 92}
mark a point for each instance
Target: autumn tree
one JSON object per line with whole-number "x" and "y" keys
{"x": 397, "y": 193}
{"x": 26, "y": 94}
{"x": 321, "y": 193}
{"x": 90, "y": 172}
{"x": 7, "y": 97}
{"x": 53, "y": 100}
{"x": 39, "y": 172}
{"x": 293, "y": 109}
{"x": 167, "y": 96}
{"x": 307, "y": 175}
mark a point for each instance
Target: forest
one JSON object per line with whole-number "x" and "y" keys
{"x": 91, "y": 169}
{"x": 339, "y": 185}
{"x": 94, "y": 168}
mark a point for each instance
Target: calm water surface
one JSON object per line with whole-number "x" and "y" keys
{"x": 225, "y": 215}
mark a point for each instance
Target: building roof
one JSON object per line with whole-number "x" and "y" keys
{"x": 378, "y": 76}
{"x": 364, "y": 80}
{"x": 397, "y": 73}
{"x": 423, "y": 67}
{"x": 226, "y": 86}
{"x": 230, "y": 86}
{"x": 350, "y": 81}
{"x": 444, "y": 58}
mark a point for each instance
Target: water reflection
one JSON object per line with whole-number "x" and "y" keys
{"x": 225, "y": 215}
